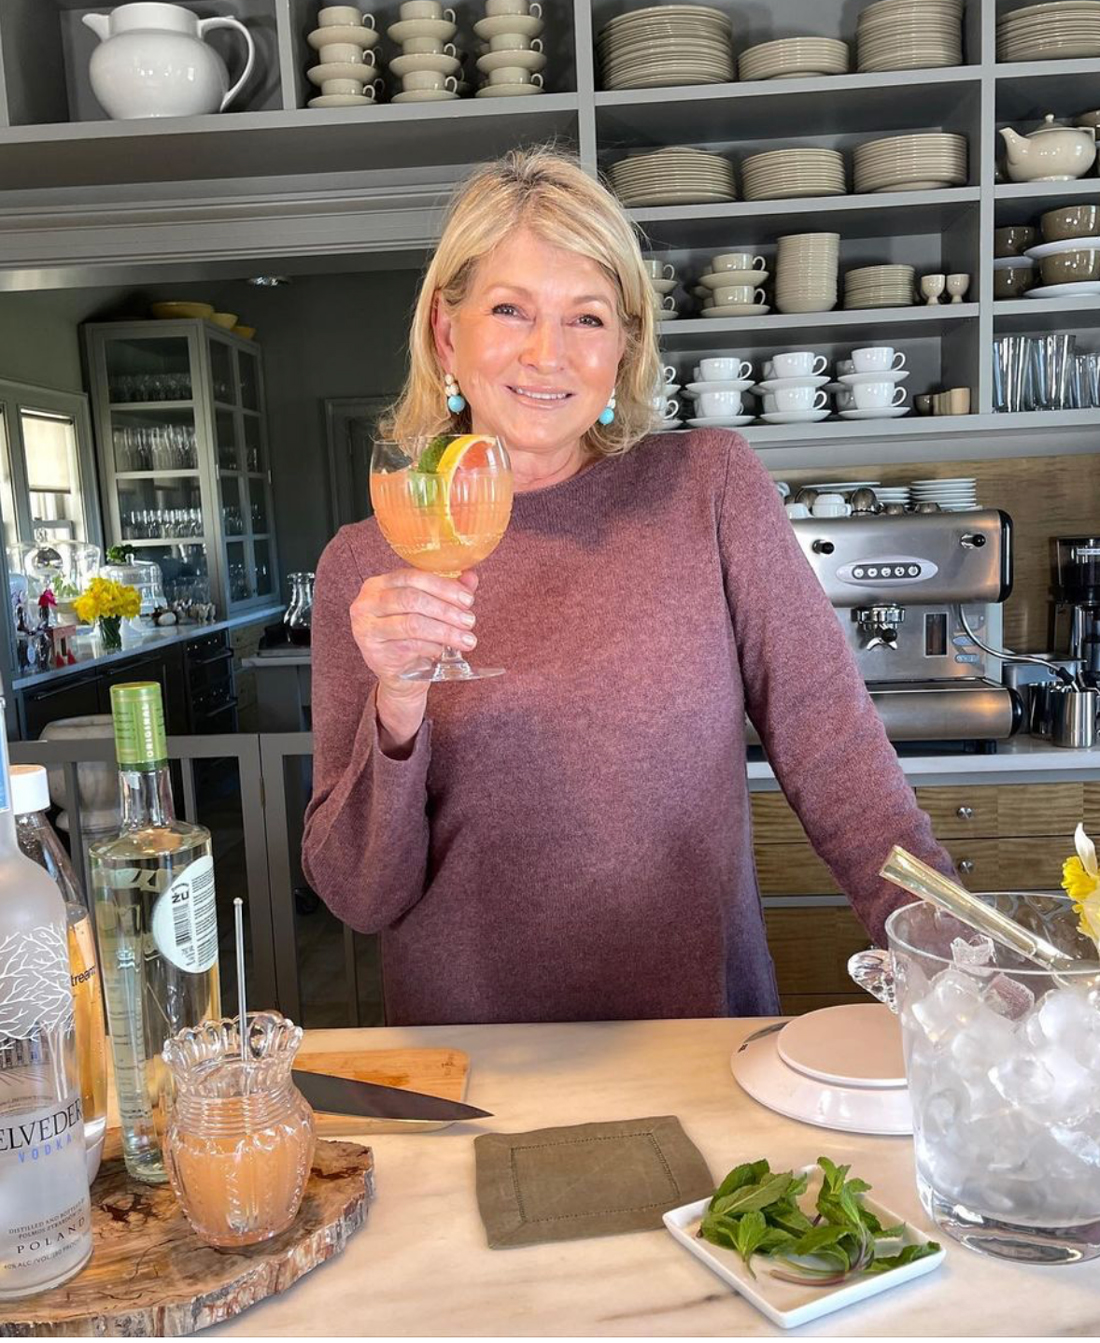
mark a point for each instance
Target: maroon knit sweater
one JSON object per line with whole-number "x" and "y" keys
{"x": 572, "y": 841}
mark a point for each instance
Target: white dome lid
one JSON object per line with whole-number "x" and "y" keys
{"x": 30, "y": 789}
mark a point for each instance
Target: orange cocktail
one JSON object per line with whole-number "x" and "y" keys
{"x": 443, "y": 505}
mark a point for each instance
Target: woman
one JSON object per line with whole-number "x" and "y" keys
{"x": 573, "y": 840}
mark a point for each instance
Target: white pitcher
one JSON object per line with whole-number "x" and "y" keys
{"x": 152, "y": 61}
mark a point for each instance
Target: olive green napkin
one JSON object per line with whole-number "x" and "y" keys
{"x": 585, "y": 1180}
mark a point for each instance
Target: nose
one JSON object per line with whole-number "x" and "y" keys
{"x": 545, "y": 348}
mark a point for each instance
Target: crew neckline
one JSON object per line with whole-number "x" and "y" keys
{"x": 561, "y": 486}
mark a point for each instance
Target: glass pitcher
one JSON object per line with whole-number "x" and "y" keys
{"x": 240, "y": 1140}
{"x": 299, "y": 614}
{"x": 1003, "y": 1064}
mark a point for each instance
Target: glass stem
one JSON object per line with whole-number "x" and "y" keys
{"x": 451, "y": 657}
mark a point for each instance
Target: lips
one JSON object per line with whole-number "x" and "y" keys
{"x": 541, "y": 396}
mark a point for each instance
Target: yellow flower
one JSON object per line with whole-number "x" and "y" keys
{"x": 1081, "y": 882}
{"x": 102, "y": 597}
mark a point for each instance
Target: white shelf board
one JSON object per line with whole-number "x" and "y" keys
{"x": 1024, "y": 202}
{"x": 1024, "y": 314}
{"x": 697, "y": 333}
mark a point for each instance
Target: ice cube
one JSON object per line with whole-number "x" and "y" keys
{"x": 1008, "y": 997}
{"x": 988, "y": 1038}
{"x": 948, "y": 1006}
{"x": 1073, "y": 1092}
{"x": 1024, "y": 1080}
{"x": 973, "y": 952}
{"x": 1080, "y": 1140}
{"x": 1067, "y": 1018}
{"x": 940, "y": 1113}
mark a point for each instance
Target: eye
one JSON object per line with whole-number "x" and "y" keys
{"x": 507, "y": 309}
{"x": 590, "y": 318}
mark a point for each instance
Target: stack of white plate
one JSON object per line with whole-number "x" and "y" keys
{"x": 807, "y": 272}
{"x": 923, "y": 162}
{"x": 893, "y": 494}
{"x": 793, "y": 172}
{"x": 909, "y": 35}
{"x": 665, "y": 45}
{"x": 1048, "y": 32}
{"x": 954, "y": 494}
{"x": 794, "y": 58}
{"x": 674, "y": 176}
{"x": 878, "y": 287}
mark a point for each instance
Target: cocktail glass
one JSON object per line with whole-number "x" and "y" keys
{"x": 443, "y": 505}
{"x": 1003, "y": 1065}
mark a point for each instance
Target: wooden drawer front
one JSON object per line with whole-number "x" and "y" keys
{"x": 793, "y": 869}
{"x": 1004, "y": 809}
{"x": 1010, "y": 864}
{"x": 1092, "y": 808}
{"x": 773, "y": 821}
{"x": 811, "y": 947}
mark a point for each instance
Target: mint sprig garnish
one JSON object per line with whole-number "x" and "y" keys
{"x": 755, "y": 1210}
{"x": 433, "y": 453}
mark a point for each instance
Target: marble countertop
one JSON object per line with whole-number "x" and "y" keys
{"x": 420, "y": 1265}
{"x": 148, "y": 641}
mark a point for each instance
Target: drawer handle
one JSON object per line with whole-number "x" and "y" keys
{"x": 965, "y": 813}
{"x": 966, "y": 867}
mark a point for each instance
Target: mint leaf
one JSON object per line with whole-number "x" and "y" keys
{"x": 883, "y": 1263}
{"x": 751, "y": 1230}
{"x": 433, "y": 453}
{"x": 753, "y": 1197}
{"x": 751, "y": 1172}
{"x": 820, "y": 1238}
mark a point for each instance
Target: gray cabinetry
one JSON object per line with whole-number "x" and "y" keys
{"x": 182, "y": 444}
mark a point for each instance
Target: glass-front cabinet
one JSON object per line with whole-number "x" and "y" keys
{"x": 182, "y": 439}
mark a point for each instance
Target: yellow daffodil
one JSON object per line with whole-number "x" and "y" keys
{"x": 1081, "y": 882}
{"x": 103, "y": 598}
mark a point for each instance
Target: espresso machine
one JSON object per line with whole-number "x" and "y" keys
{"x": 917, "y": 595}
{"x": 1075, "y": 612}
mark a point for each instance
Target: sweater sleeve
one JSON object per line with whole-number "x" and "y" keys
{"x": 806, "y": 697}
{"x": 365, "y": 847}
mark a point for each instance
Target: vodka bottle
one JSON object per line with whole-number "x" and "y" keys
{"x": 156, "y": 918}
{"x": 30, "y": 798}
{"x": 45, "y": 1213}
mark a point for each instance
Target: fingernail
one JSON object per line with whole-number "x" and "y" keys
{"x": 466, "y": 598}
{"x": 467, "y": 617}
{"x": 468, "y": 640}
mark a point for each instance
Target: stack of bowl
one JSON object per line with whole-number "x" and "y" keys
{"x": 923, "y": 162}
{"x": 1049, "y": 32}
{"x": 428, "y": 66}
{"x": 879, "y": 287}
{"x": 807, "y": 272}
{"x": 674, "y": 176}
{"x": 793, "y": 172}
{"x": 347, "y": 63}
{"x": 665, "y": 45}
{"x": 732, "y": 286}
{"x": 794, "y": 58}
{"x": 1014, "y": 271}
{"x": 909, "y": 35}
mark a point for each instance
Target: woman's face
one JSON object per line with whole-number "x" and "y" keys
{"x": 535, "y": 346}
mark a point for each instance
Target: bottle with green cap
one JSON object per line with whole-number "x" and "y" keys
{"x": 156, "y": 917}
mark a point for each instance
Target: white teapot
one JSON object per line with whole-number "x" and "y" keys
{"x": 1053, "y": 153}
{"x": 152, "y": 61}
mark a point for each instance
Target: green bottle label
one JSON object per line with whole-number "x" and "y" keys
{"x": 138, "y": 713}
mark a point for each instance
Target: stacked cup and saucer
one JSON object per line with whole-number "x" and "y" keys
{"x": 732, "y": 285}
{"x": 347, "y": 70}
{"x": 793, "y": 388}
{"x": 513, "y": 57}
{"x": 663, "y": 280}
{"x": 429, "y": 64}
{"x": 664, "y": 402}
{"x": 868, "y": 384}
{"x": 720, "y": 383}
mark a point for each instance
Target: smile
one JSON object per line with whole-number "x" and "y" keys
{"x": 540, "y": 398}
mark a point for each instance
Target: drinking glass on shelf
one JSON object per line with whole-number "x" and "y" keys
{"x": 443, "y": 504}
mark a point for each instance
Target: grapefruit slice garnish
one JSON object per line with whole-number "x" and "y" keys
{"x": 445, "y": 457}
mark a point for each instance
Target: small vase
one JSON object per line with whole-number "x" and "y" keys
{"x": 110, "y": 633}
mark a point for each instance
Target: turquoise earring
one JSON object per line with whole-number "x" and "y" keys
{"x": 607, "y": 415}
{"x": 456, "y": 402}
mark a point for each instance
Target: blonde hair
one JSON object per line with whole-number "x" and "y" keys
{"x": 546, "y": 190}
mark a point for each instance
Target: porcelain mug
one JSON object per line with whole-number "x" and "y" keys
{"x": 873, "y": 395}
{"x": 737, "y": 261}
{"x": 659, "y": 269}
{"x": 416, "y": 80}
{"x": 844, "y": 366}
{"x": 668, "y": 374}
{"x": 844, "y": 399}
{"x": 798, "y": 364}
{"x": 877, "y": 359}
{"x": 797, "y": 511}
{"x": 719, "y": 405}
{"x": 830, "y": 506}
{"x": 344, "y": 53}
{"x": 344, "y": 16}
{"x": 514, "y": 42}
{"x": 515, "y": 74}
{"x": 425, "y": 9}
{"x": 666, "y": 406}
{"x": 428, "y": 46}
{"x": 495, "y": 7}
{"x": 662, "y": 302}
{"x": 803, "y": 397}
{"x": 724, "y": 369}
{"x": 352, "y": 87}
{"x": 738, "y": 293}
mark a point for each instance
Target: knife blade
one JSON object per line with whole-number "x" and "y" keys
{"x": 372, "y": 1100}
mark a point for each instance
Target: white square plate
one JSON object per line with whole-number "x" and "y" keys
{"x": 786, "y": 1303}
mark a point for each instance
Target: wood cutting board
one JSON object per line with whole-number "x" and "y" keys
{"x": 437, "y": 1072}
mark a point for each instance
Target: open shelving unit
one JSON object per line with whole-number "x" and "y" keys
{"x": 273, "y": 178}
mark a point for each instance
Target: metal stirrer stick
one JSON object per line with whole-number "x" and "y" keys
{"x": 242, "y": 1006}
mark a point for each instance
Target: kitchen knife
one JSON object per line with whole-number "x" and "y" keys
{"x": 348, "y": 1096}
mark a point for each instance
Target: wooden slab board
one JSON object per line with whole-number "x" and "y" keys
{"x": 437, "y": 1072}
{"x": 150, "y": 1274}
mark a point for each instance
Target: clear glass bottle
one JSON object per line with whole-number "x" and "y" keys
{"x": 299, "y": 614}
{"x": 30, "y": 797}
{"x": 240, "y": 1142}
{"x": 156, "y": 916}
{"x": 45, "y": 1212}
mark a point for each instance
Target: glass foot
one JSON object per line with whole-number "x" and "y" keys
{"x": 452, "y": 666}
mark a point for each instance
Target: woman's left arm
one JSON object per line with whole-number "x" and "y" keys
{"x": 806, "y": 698}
